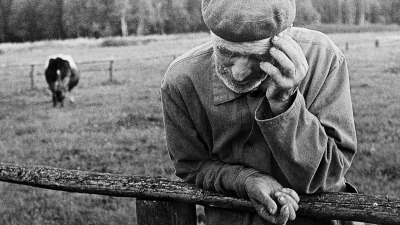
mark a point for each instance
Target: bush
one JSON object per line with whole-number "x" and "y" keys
{"x": 112, "y": 42}
{"x": 118, "y": 41}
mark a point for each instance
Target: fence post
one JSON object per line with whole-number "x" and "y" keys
{"x": 32, "y": 75}
{"x": 377, "y": 43}
{"x": 111, "y": 69}
{"x": 347, "y": 46}
{"x": 150, "y": 212}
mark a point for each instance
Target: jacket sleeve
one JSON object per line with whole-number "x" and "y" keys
{"x": 314, "y": 141}
{"x": 190, "y": 153}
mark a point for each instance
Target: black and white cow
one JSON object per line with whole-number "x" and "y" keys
{"x": 62, "y": 76}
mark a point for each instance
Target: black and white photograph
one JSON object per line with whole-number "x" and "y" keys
{"x": 199, "y": 112}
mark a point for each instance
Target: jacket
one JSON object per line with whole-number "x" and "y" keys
{"x": 216, "y": 137}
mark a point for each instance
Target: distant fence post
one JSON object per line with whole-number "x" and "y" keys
{"x": 32, "y": 75}
{"x": 165, "y": 212}
{"x": 347, "y": 46}
{"x": 111, "y": 69}
{"x": 377, "y": 43}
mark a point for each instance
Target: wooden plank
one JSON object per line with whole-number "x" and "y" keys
{"x": 150, "y": 212}
{"x": 111, "y": 70}
{"x": 343, "y": 206}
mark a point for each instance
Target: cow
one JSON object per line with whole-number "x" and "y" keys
{"x": 62, "y": 75}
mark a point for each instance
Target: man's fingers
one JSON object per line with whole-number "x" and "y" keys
{"x": 292, "y": 212}
{"x": 292, "y": 193}
{"x": 263, "y": 212}
{"x": 284, "y": 215}
{"x": 284, "y": 61}
{"x": 285, "y": 199}
{"x": 291, "y": 49}
{"x": 270, "y": 69}
{"x": 290, "y": 40}
{"x": 292, "y": 207}
{"x": 277, "y": 76}
{"x": 270, "y": 205}
{"x": 286, "y": 47}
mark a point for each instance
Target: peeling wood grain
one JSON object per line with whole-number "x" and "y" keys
{"x": 344, "y": 206}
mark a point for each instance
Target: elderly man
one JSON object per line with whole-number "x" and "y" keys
{"x": 263, "y": 112}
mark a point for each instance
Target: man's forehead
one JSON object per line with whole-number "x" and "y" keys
{"x": 248, "y": 50}
{"x": 259, "y": 47}
{"x": 244, "y": 48}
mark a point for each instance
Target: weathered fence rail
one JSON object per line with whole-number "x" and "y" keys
{"x": 174, "y": 201}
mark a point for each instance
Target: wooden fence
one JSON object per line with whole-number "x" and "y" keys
{"x": 170, "y": 202}
{"x": 33, "y": 67}
{"x": 380, "y": 41}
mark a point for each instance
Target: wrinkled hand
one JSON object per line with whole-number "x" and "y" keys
{"x": 272, "y": 202}
{"x": 286, "y": 73}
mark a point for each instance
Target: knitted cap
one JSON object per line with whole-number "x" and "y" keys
{"x": 248, "y": 20}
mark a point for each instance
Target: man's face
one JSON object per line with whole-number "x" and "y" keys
{"x": 241, "y": 72}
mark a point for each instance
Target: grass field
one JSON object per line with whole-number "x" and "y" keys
{"x": 116, "y": 127}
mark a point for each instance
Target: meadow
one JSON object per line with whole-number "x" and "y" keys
{"x": 116, "y": 127}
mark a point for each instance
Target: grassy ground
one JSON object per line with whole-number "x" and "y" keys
{"x": 116, "y": 127}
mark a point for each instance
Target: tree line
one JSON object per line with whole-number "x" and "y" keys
{"x": 32, "y": 20}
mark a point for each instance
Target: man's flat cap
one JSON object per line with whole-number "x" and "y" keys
{"x": 248, "y": 20}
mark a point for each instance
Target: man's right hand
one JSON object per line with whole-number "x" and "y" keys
{"x": 272, "y": 202}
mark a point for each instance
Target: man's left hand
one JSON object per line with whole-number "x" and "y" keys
{"x": 285, "y": 75}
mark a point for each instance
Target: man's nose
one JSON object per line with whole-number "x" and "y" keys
{"x": 241, "y": 69}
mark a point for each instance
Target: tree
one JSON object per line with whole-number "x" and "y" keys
{"x": 373, "y": 12}
{"x": 361, "y": 6}
{"x": 123, "y": 7}
{"x": 193, "y": 8}
{"x": 145, "y": 17}
{"x": 27, "y": 20}
{"x": 306, "y": 13}
{"x": 328, "y": 10}
{"x": 59, "y": 10}
{"x": 92, "y": 18}
{"x": 160, "y": 22}
{"x": 5, "y": 14}
{"x": 348, "y": 12}
{"x": 76, "y": 18}
{"x": 340, "y": 6}
{"x": 391, "y": 10}
{"x": 342, "y": 11}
